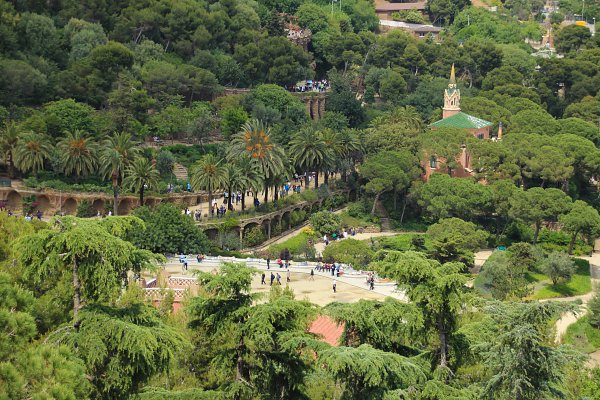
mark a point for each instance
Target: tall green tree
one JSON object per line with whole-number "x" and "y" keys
{"x": 389, "y": 171}
{"x": 536, "y": 205}
{"x": 436, "y": 289}
{"x": 456, "y": 240}
{"x": 582, "y": 218}
{"x": 310, "y": 152}
{"x": 31, "y": 152}
{"x": 78, "y": 153}
{"x": 254, "y": 140}
{"x": 122, "y": 347}
{"x": 523, "y": 361}
{"x": 141, "y": 175}
{"x": 9, "y": 138}
{"x": 208, "y": 174}
{"x": 116, "y": 154}
{"x": 83, "y": 252}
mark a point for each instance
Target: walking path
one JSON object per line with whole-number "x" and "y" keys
{"x": 351, "y": 286}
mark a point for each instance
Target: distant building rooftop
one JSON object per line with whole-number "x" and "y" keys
{"x": 384, "y": 6}
{"x": 462, "y": 121}
{"x": 328, "y": 329}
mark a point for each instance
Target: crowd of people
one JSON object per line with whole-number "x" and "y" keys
{"x": 309, "y": 86}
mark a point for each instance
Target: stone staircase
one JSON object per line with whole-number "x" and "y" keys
{"x": 381, "y": 212}
{"x": 180, "y": 172}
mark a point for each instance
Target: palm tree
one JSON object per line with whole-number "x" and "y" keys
{"x": 117, "y": 153}
{"x": 9, "y": 138}
{"x": 141, "y": 175}
{"x": 254, "y": 140}
{"x": 31, "y": 151}
{"x": 77, "y": 153}
{"x": 251, "y": 176}
{"x": 310, "y": 152}
{"x": 208, "y": 174}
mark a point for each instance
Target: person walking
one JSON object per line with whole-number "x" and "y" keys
{"x": 185, "y": 264}
{"x": 272, "y": 278}
{"x": 289, "y": 276}
{"x": 262, "y": 279}
{"x": 312, "y": 275}
{"x": 268, "y": 262}
{"x": 278, "y": 279}
{"x": 334, "y": 286}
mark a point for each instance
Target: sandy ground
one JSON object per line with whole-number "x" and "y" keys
{"x": 318, "y": 291}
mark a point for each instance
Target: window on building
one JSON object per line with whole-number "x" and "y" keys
{"x": 433, "y": 162}
{"x": 480, "y": 136}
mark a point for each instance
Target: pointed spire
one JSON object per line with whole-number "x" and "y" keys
{"x": 452, "y": 75}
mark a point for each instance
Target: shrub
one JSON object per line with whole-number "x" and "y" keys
{"x": 85, "y": 210}
{"x": 169, "y": 231}
{"x": 309, "y": 195}
{"x": 254, "y": 236}
{"x": 348, "y": 251}
{"x": 297, "y": 217}
{"x": 559, "y": 266}
{"x": 594, "y": 307}
{"x": 165, "y": 161}
{"x": 326, "y": 222}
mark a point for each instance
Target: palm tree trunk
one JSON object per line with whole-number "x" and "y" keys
{"x": 306, "y": 179}
{"x": 142, "y": 195}
{"x": 326, "y": 177}
{"x": 316, "y": 180}
{"x": 11, "y": 166}
{"x": 115, "y": 200}
{"x": 276, "y": 193}
{"x": 266, "y": 193}
{"x": 210, "y": 207}
{"x": 243, "y": 200}
{"x": 229, "y": 198}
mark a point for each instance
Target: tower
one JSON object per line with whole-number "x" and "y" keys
{"x": 451, "y": 97}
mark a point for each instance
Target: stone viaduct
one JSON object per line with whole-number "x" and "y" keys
{"x": 314, "y": 101}
{"x": 266, "y": 221}
{"x": 52, "y": 201}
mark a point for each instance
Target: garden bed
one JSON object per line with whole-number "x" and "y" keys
{"x": 583, "y": 336}
{"x": 579, "y": 284}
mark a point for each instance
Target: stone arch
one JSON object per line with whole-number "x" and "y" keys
{"x": 150, "y": 202}
{"x": 125, "y": 205}
{"x": 99, "y": 205}
{"x": 199, "y": 200}
{"x": 14, "y": 200}
{"x": 212, "y": 234}
{"x": 43, "y": 203}
{"x": 250, "y": 225}
{"x": 69, "y": 206}
{"x": 286, "y": 220}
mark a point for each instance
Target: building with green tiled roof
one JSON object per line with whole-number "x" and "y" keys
{"x": 462, "y": 120}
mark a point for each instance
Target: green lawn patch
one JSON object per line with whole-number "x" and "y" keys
{"x": 578, "y": 285}
{"x": 298, "y": 246}
{"x": 583, "y": 336}
{"x": 350, "y": 221}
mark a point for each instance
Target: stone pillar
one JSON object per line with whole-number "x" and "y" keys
{"x": 308, "y": 107}
{"x": 269, "y": 230}
{"x": 315, "y": 108}
{"x": 321, "y": 107}
{"x": 241, "y": 237}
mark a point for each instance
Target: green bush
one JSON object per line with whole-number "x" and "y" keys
{"x": 85, "y": 210}
{"x": 309, "y": 195}
{"x": 299, "y": 246}
{"x": 326, "y": 222}
{"x": 297, "y": 217}
{"x": 348, "y": 251}
{"x": 254, "y": 236}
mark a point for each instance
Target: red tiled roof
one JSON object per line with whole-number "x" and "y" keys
{"x": 328, "y": 329}
{"x": 385, "y": 6}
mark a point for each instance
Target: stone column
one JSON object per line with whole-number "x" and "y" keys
{"x": 241, "y": 237}
{"x": 269, "y": 230}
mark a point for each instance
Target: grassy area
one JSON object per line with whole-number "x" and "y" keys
{"x": 400, "y": 242}
{"x": 580, "y": 283}
{"x": 298, "y": 246}
{"x": 583, "y": 336}
{"x": 350, "y": 221}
